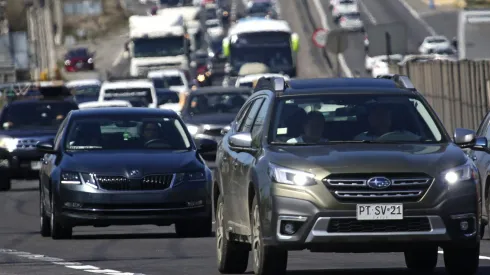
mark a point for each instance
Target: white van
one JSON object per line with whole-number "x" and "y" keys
{"x": 139, "y": 92}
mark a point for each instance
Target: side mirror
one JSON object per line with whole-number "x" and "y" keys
{"x": 454, "y": 42}
{"x": 206, "y": 146}
{"x": 464, "y": 138}
{"x": 126, "y": 46}
{"x": 46, "y": 147}
{"x": 242, "y": 140}
{"x": 225, "y": 130}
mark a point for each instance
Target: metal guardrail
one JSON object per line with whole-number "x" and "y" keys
{"x": 459, "y": 91}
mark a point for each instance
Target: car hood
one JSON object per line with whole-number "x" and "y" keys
{"x": 22, "y": 133}
{"x": 370, "y": 158}
{"x": 120, "y": 163}
{"x": 215, "y": 119}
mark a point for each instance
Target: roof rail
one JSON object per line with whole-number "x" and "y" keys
{"x": 272, "y": 83}
{"x": 402, "y": 81}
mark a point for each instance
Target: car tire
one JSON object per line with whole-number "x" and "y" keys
{"x": 232, "y": 257}
{"x": 5, "y": 184}
{"x": 194, "y": 229}
{"x": 45, "y": 223}
{"x": 460, "y": 259}
{"x": 59, "y": 231}
{"x": 267, "y": 260}
{"x": 422, "y": 259}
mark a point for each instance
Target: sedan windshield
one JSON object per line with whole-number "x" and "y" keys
{"x": 361, "y": 118}
{"x": 127, "y": 133}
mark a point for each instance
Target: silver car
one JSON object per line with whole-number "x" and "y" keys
{"x": 351, "y": 21}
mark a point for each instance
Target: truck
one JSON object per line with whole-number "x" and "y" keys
{"x": 157, "y": 42}
{"x": 192, "y": 20}
{"x": 267, "y": 41}
{"x": 470, "y": 43}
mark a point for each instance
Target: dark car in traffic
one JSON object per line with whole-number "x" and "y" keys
{"x": 345, "y": 165}
{"x": 24, "y": 121}
{"x": 207, "y": 111}
{"x": 124, "y": 166}
{"x": 79, "y": 59}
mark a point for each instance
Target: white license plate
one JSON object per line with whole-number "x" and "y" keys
{"x": 35, "y": 165}
{"x": 367, "y": 212}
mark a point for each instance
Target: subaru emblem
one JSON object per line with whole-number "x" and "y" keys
{"x": 134, "y": 173}
{"x": 379, "y": 183}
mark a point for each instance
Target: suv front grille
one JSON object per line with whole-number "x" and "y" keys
{"x": 118, "y": 183}
{"x": 354, "y": 188}
{"x": 410, "y": 224}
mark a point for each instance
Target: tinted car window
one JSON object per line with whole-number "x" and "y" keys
{"x": 347, "y": 118}
{"x": 127, "y": 133}
{"x": 217, "y": 103}
{"x": 138, "y": 97}
{"x": 167, "y": 97}
{"x": 167, "y": 81}
{"x": 249, "y": 121}
{"x": 36, "y": 114}
{"x": 78, "y": 52}
{"x": 92, "y": 90}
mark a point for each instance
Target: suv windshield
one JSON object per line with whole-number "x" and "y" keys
{"x": 360, "y": 118}
{"x": 217, "y": 103}
{"x": 139, "y": 97}
{"x": 36, "y": 114}
{"x": 127, "y": 133}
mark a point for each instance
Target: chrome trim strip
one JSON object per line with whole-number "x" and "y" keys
{"x": 132, "y": 210}
{"x": 319, "y": 229}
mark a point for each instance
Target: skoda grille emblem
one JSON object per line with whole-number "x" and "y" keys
{"x": 379, "y": 183}
{"x": 134, "y": 173}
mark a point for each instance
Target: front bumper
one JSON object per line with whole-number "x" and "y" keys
{"x": 20, "y": 162}
{"x": 324, "y": 230}
{"x": 84, "y": 205}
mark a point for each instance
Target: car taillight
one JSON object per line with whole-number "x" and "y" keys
{"x": 202, "y": 69}
{"x": 342, "y": 20}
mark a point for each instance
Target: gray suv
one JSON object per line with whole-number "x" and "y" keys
{"x": 345, "y": 165}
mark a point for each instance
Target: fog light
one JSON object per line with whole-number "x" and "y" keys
{"x": 73, "y": 204}
{"x": 463, "y": 225}
{"x": 289, "y": 228}
{"x": 194, "y": 203}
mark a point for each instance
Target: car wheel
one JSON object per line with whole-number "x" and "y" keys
{"x": 45, "y": 223}
{"x": 5, "y": 184}
{"x": 422, "y": 259}
{"x": 460, "y": 259}
{"x": 266, "y": 259}
{"x": 194, "y": 229}
{"x": 232, "y": 257}
{"x": 58, "y": 229}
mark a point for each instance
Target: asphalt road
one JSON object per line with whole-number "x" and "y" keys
{"x": 156, "y": 250}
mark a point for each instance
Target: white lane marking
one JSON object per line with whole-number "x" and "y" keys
{"x": 368, "y": 13}
{"x": 118, "y": 58}
{"x": 416, "y": 15}
{"x": 324, "y": 21}
{"x": 71, "y": 265}
{"x": 481, "y": 257}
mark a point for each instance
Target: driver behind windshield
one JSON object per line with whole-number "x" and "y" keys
{"x": 313, "y": 129}
{"x": 380, "y": 122}
{"x": 150, "y": 131}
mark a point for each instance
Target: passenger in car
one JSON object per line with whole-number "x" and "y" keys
{"x": 313, "y": 129}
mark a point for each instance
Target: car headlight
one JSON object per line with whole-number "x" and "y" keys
{"x": 75, "y": 178}
{"x": 290, "y": 176}
{"x": 8, "y": 143}
{"x": 461, "y": 173}
{"x": 189, "y": 177}
{"x": 193, "y": 129}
